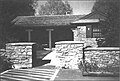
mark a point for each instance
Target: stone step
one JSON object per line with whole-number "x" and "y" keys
{"x": 28, "y": 74}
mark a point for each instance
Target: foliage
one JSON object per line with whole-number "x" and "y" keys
{"x": 10, "y": 9}
{"x": 110, "y": 9}
{"x": 5, "y": 63}
{"x": 55, "y": 7}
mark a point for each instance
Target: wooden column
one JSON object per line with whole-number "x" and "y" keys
{"x": 50, "y": 41}
{"x": 29, "y": 34}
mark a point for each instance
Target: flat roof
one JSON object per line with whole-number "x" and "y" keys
{"x": 86, "y": 21}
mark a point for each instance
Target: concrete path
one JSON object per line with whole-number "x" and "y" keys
{"x": 50, "y": 73}
{"x": 52, "y": 56}
{"x": 76, "y": 75}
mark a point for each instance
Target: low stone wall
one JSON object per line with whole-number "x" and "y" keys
{"x": 20, "y": 54}
{"x": 104, "y": 59}
{"x": 68, "y": 53}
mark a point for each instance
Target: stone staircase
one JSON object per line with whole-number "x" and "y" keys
{"x": 40, "y": 74}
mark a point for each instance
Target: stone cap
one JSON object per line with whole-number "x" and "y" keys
{"x": 103, "y": 48}
{"x": 70, "y": 42}
{"x": 21, "y": 43}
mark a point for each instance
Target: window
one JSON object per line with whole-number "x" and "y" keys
{"x": 97, "y": 35}
{"x": 93, "y": 31}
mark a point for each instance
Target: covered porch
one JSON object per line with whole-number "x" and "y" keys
{"x": 70, "y": 53}
{"x": 63, "y": 32}
{"x": 52, "y": 29}
{"x": 46, "y": 30}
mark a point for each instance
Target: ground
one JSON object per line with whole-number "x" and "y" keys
{"x": 76, "y": 75}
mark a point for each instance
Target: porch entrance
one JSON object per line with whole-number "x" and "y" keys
{"x": 41, "y": 35}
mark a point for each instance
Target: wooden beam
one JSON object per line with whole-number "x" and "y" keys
{"x": 29, "y": 34}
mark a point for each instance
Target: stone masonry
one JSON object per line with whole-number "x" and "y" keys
{"x": 79, "y": 34}
{"x": 105, "y": 58}
{"x": 20, "y": 54}
{"x": 68, "y": 53}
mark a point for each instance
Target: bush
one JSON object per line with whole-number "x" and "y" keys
{"x": 5, "y": 62}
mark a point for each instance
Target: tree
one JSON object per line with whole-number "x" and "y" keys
{"x": 10, "y": 9}
{"x": 55, "y": 7}
{"x": 13, "y": 8}
{"x": 110, "y": 9}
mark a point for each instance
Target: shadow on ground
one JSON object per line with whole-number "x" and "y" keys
{"x": 40, "y": 54}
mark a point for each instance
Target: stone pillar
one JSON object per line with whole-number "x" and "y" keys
{"x": 29, "y": 34}
{"x": 80, "y": 35}
{"x": 75, "y": 34}
{"x": 50, "y": 41}
{"x": 68, "y": 54}
{"x": 20, "y": 54}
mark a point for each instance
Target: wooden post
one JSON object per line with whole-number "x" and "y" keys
{"x": 29, "y": 34}
{"x": 50, "y": 41}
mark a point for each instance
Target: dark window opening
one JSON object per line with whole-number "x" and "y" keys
{"x": 93, "y": 31}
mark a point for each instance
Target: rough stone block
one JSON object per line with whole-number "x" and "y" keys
{"x": 20, "y": 54}
{"x": 70, "y": 52}
{"x": 103, "y": 58}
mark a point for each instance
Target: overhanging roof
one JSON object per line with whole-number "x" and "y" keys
{"x": 46, "y": 20}
{"x": 58, "y": 20}
{"x": 86, "y": 21}
{"x": 91, "y": 18}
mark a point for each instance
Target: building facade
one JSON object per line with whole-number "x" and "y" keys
{"x": 50, "y": 29}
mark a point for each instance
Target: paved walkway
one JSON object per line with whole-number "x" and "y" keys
{"x": 76, "y": 75}
{"x": 49, "y": 72}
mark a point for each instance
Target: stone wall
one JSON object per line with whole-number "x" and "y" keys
{"x": 104, "y": 59}
{"x": 79, "y": 34}
{"x": 20, "y": 54}
{"x": 68, "y": 53}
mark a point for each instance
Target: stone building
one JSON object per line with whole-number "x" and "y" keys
{"x": 68, "y": 34}
{"x": 56, "y": 28}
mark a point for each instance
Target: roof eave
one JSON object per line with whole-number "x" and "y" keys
{"x": 83, "y": 21}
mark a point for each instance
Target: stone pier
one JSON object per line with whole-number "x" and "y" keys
{"x": 68, "y": 54}
{"x": 20, "y": 54}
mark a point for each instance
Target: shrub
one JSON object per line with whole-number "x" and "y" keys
{"x": 5, "y": 62}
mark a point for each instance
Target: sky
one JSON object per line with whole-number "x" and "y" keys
{"x": 80, "y": 7}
